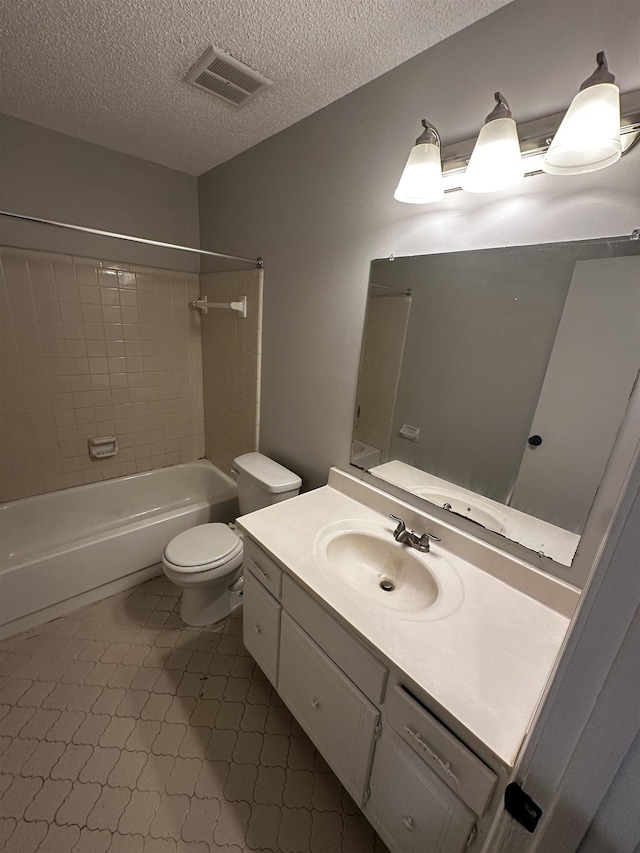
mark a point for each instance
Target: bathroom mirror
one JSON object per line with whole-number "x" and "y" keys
{"x": 493, "y": 382}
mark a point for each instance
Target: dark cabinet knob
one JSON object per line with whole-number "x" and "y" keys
{"x": 535, "y": 440}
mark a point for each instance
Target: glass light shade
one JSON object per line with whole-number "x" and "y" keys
{"x": 589, "y": 137}
{"x": 421, "y": 181}
{"x": 496, "y": 162}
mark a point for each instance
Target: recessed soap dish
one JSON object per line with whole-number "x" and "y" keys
{"x": 105, "y": 445}
{"x": 411, "y": 433}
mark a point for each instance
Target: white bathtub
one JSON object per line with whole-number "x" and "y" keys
{"x": 64, "y": 549}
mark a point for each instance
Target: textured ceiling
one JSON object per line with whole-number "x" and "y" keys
{"x": 111, "y": 71}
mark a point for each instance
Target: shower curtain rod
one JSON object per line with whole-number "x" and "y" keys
{"x": 255, "y": 261}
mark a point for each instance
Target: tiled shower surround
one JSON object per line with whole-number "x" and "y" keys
{"x": 92, "y": 348}
{"x": 231, "y": 350}
{"x": 383, "y": 348}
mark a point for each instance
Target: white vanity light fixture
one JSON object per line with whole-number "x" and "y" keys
{"x": 588, "y": 138}
{"x": 496, "y": 162}
{"x": 421, "y": 180}
{"x": 604, "y": 113}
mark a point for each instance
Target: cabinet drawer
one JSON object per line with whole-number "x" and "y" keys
{"x": 412, "y": 809}
{"x": 340, "y": 721}
{"x": 441, "y": 750}
{"x": 341, "y": 646}
{"x": 261, "y": 627}
{"x": 263, "y": 567}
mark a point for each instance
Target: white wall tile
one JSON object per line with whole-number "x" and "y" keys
{"x": 73, "y": 367}
{"x": 231, "y": 366}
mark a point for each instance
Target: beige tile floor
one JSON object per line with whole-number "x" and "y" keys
{"x": 122, "y": 730}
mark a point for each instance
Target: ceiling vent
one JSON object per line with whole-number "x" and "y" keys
{"x": 223, "y": 76}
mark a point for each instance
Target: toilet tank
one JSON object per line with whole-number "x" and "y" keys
{"x": 262, "y": 482}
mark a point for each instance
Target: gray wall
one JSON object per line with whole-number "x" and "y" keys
{"x": 616, "y": 825}
{"x": 53, "y": 176}
{"x": 316, "y": 201}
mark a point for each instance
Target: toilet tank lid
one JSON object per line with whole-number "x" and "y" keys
{"x": 272, "y": 477}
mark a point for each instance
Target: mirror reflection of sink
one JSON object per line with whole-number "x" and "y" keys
{"x": 470, "y": 506}
{"x": 387, "y": 576}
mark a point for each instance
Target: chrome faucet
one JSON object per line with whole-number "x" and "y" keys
{"x": 410, "y": 538}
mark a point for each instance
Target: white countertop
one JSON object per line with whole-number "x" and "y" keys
{"x": 485, "y": 664}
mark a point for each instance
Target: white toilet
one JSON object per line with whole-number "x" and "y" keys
{"x": 206, "y": 561}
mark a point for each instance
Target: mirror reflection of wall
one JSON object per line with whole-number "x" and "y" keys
{"x": 501, "y": 345}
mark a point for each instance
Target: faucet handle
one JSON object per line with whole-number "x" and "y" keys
{"x": 401, "y": 525}
{"x": 423, "y": 542}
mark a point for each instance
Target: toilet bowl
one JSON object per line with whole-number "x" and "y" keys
{"x": 206, "y": 560}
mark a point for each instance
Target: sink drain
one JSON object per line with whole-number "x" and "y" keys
{"x": 387, "y": 586}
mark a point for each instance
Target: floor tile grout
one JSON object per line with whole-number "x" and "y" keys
{"x": 124, "y": 731}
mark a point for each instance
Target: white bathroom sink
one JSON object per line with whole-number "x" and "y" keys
{"x": 383, "y": 570}
{"x": 366, "y": 562}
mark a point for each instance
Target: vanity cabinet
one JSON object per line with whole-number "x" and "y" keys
{"x": 418, "y": 785}
{"x": 261, "y": 626}
{"x": 338, "y": 718}
{"x": 410, "y": 807}
{"x": 261, "y": 608}
{"x": 440, "y": 750}
{"x": 427, "y": 788}
{"x": 260, "y": 564}
{"x": 367, "y": 673}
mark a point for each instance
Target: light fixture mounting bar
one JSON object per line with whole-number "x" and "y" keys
{"x": 535, "y": 136}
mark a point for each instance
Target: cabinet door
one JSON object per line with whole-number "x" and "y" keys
{"x": 348, "y": 653}
{"x": 447, "y": 756}
{"x": 338, "y": 718}
{"x": 261, "y": 626}
{"x": 410, "y": 807}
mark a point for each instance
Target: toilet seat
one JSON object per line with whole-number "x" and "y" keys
{"x": 206, "y": 560}
{"x": 202, "y": 548}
